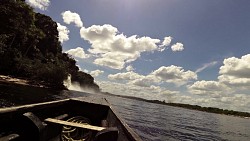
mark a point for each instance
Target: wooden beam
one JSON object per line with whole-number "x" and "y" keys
{"x": 79, "y": 125}
{"x": 9, "y": 137}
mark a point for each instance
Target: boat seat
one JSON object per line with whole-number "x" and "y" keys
{"x": 103, "y": 134}
{"x": 73, "y": 124}
{"x": 108, "y": 134}
{"x": 38, "y": 126}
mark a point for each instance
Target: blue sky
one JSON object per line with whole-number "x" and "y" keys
{"x": 194, "y": 51}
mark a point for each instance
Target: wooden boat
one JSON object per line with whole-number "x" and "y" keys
{"x": 78, "y": 119}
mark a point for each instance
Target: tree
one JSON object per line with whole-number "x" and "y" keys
{"x": 30, "y": 48}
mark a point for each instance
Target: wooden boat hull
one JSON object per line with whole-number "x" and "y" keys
{"x": 20, "y": 120}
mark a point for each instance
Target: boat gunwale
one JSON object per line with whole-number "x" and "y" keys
{"x": 128, "y": 130}
{"x": 37, "y": 106}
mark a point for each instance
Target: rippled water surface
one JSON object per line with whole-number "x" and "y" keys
{"x": 160, "y": 122}
{"x": 151, "y": 121}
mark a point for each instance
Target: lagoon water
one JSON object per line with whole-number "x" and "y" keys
{"x": 153, "y": 122}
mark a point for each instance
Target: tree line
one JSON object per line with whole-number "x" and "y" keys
{"x": 188, "y": 106}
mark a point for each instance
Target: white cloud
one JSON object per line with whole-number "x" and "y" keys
{"x": 207, "y": 88}
{"x": 234, "y": 77}
{"x": 206, "y": 93}
{"x": 237, "y": 102}
{"x": 109, "y": 62}
{"x": 98, "y": 33}
{"x": 152, "y": 92}
{"x": 114, "y": 50}
{"x": 171, "y": 74}
{"x": 71, "y": 17}
{"x": 41, "y": 4}
{"x": 125, "y": 76}
{"x": 85, "y": 70}
{"x": 166, "y": 42}
{"x": 235, "y": 72}
{"x": 63, "y": 33}
{"x": 141, "y": 82}
{"x": 130, "y": 68}
{"x": 174, "y": 74}
{"x": 207, "y": 65}
{"x": 238, "y": 67}
{"x": 96, "y": 73}
{"x": 133, "y": 78}
{"x": 177, "y": 47}
{"x": 78, "y": 52}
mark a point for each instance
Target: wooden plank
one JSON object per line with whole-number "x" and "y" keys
{"x": 9, "y": 137}
{"x": 79, "y": 125}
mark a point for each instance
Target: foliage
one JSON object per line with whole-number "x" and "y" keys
{"x": 29, "y": 47}
{"x": 85, "y": 80}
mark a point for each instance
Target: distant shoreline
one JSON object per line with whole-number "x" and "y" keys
{"x": 191, "y": 107}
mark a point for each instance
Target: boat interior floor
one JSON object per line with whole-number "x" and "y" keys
{"x": 60, "y": 128}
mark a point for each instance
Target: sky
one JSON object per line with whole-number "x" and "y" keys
{"x": 193, "y": 51}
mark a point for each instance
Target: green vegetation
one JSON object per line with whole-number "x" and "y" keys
{"x": 206, "y": 109}
{"x": 29, "y": 48}
{"x": 188, "y": 106}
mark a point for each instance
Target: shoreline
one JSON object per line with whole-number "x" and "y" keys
{"x": 187, "y": 106}
{"x": 6, "y": 79}
{"x": 19, "y": 81}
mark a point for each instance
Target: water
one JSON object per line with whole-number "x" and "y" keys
{"x": 151, "y": 121}
{"x": 160, "y": 122}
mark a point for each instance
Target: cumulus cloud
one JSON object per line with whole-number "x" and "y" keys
{"x": 174, "y": 74}
{"x": 207, "y": 88}
{"x": 62, "y": 33}
{"x": 177, "y": 47}
{"x": 78, "y": 52}
{"x": 130, "y": 68}
{"x": 236, "y": 72}
{"x": 237, "y": 102}
{"x": 152, "y": 92}
{"x": 141, "y": 82}
{"x": 166, "y": 42}
{"x": 71, "y": 17}
{"x": 85, "y": 70}
{"x": 41, "y": 4}
{"x": 109, "y": 62}
{"x": 133, "y": 78}
{"x": 219, "y": 93}
{"x": 98, "y": 33}
{"x": 233, "y": 79}
{"x": 171, "y": 74}
{"x": 114, "y": 50}
{"x": 207, "y": 65}
{"x": 125, "y": 76}
{"x": 96, "y": 73}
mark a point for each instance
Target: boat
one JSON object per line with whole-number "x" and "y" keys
{"x": 81, "y": 119}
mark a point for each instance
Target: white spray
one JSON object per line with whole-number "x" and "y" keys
{"x": 75, "y": 86}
